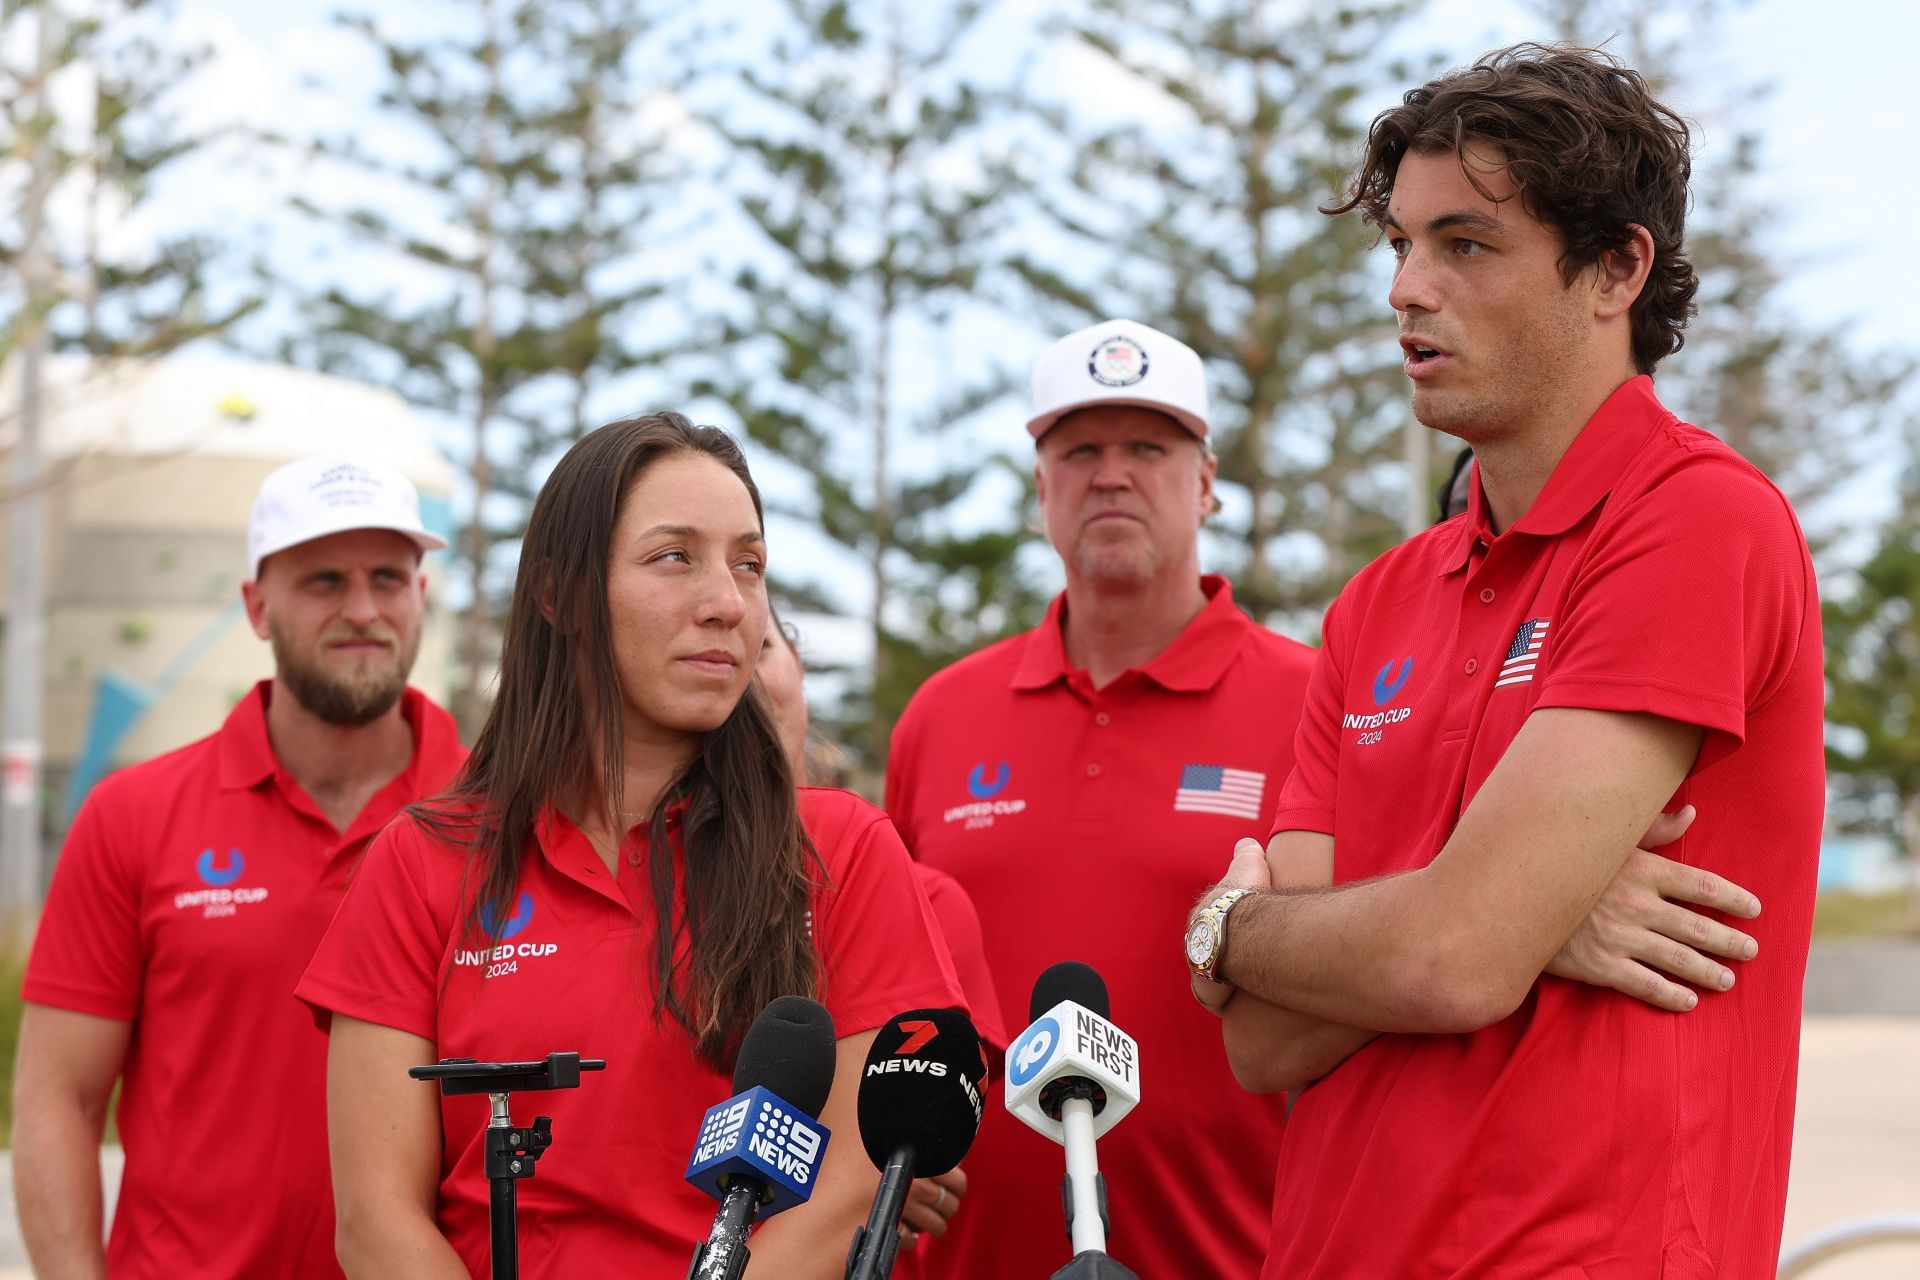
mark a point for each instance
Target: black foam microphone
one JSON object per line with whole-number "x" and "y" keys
{"x": 760, "y": 1150}
{"x": 919, "y": 1111}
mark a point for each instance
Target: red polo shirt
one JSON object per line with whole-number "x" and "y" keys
{"x": 188, "y": 899}
{"x": 1083, "y": 822}
{"x": 960, "y": 930}
{"x": 1588, "y": 1136}
{"x": 610, "y": 1198}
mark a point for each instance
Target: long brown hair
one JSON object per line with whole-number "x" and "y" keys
{"x": 1590, "y": 148}
{"x": 750, "y": 868}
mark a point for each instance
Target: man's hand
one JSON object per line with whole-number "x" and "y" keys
{"x": 1636, "y": 934}
{"x": 931, "y": 1204}
{"x": 1248, "y": 870}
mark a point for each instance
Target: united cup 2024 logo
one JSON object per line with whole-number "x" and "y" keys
{"x": 224, "y": 894}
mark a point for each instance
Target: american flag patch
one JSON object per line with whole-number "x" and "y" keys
{"x": 1212, "y": 788}
{"x": 1523, "y": 655}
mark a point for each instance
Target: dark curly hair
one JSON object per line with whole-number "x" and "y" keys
{"x": 1587, "y": 145}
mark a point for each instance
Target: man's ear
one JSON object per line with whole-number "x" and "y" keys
{"x": 1621, "y": 274}
{"x": 1209, "y": 472}
{"x": 256, "y": 603}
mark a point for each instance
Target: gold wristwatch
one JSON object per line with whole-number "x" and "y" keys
{"x": 1207, "y": 934}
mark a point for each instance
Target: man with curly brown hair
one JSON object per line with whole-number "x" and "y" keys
{"x": 1625, "y": 622}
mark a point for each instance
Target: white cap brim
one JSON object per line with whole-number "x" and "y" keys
{"x": 1039, "y": 425}
{"x": 419, "y": 537}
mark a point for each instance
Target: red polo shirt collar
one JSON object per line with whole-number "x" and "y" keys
{"x": 1584, "y": 476}
{"x": 246, "y": 752}
{"x": 568, "y": 851}
{"x": 1193, "y": 663}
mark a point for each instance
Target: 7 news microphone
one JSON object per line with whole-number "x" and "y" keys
{"x": 919, "y": 1110}
{"x": 1072, "y": 1075}
{"x": 759, "y": 1152}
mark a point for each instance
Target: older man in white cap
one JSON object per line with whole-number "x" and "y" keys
{"x": 190, "y": 895}
{"x": 1081, "y": 782}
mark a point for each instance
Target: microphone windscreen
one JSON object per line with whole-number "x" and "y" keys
{"x": 789, "y": 1050}
{"x": 1069, "y": 980}
{"x": 921, "y": 1088}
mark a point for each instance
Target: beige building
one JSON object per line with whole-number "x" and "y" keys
{"x": 151, "y": 471}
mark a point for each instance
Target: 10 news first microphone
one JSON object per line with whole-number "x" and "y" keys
{"x": 1071, "y": 1075}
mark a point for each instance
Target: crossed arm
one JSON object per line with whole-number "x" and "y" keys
{"x": 1539, "y": 876}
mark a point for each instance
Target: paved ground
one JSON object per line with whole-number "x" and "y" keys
{"x": 1857, "y": 1142}
{"x": 1856, "y": 1145}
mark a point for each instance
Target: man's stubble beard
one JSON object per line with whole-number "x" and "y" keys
{"x": 351, "y": 702}
{"x": 1118, "y": 566}
{"x": 1525, "y": 377}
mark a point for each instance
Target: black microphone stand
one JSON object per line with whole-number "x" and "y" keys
{"x": 714, "y": 1258}
{"x": 511, "y": 1150}
{"x": 1093, "y": 1265}
{"x": 876, "y": 1244}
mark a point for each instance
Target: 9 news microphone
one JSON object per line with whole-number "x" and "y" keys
{"x": 919, "y": 1110}
{"x": 759, "y": 1151}
{"x": 1073, "y": 1075}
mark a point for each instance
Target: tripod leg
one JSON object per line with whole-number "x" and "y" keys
{"x": 503, "y": 1220}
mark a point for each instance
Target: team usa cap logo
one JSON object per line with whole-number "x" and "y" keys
{"x": 1118, "y": 362}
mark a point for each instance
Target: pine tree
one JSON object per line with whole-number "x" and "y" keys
{"x": 1208, "y": 228}
{"x": 1805, "y": 406}
{"x": 543, "y": 189}
{"x": 1797, "y": 399}
{"x": 104, "y": 159}
{"x": 1873, "y": 676}
{"x": 61, "y": 287}
{"x": 861, "y": 165}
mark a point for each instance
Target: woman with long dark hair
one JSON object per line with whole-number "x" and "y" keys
{"x": 624, "y": 868}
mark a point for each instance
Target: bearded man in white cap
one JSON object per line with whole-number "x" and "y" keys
{"x": 190, "y": 895}
{"x": 1081, "y": 780}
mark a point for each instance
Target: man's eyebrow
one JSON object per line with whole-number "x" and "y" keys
{"x": 1455, "y": 220}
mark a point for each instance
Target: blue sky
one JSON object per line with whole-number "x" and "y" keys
{"x": 1840, "y": 108}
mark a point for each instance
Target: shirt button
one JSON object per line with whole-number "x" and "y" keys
{"x": 1473, "y": 665}
{"x": 1486, "y": 595}
{"x": 1102, "y": 718}
{"x": 1093, "y": 771}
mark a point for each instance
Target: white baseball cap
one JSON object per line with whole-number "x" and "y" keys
{"x": 1118, "y": 362}
{"x": 329, "y": 494}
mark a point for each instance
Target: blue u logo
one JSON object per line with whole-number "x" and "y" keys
{"x": 1386, "y": 685}
{"x": 216, "y": 875}
{"x": 522, "y": 917}
{"x": 983, "y": 789}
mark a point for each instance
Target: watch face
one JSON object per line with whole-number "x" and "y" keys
{"x": 1199, "y": 943}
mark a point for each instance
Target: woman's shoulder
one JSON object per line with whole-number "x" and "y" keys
{"x": 433, "y": 838}
{"x": 840, "y": 822}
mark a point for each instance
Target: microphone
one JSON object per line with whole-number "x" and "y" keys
{"x": 1072, "y": 1075}
{"x": 759, "y": 1152}
{"x": 919, "y": 1109}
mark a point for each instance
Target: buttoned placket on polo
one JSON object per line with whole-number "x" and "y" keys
{"x": 248, "y": 762}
